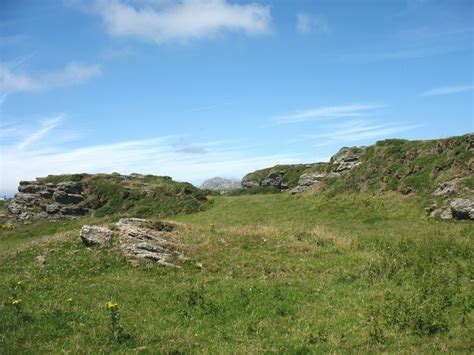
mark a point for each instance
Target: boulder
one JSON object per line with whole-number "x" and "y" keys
{"x": 462, "y": 208}
{"x": 95, "y": 235}
{"x": 144, "y": 239}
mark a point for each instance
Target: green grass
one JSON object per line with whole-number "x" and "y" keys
{"x": 306, "y": 274}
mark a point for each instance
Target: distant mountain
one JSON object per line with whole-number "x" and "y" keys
{"x": 220, "y": 184}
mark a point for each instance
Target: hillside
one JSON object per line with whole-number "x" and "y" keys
{"x": 408, "y": 167}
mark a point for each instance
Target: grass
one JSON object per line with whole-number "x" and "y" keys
{"x": 267, "y": 273}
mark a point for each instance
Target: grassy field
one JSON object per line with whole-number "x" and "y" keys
{"x": 266, "y": 273}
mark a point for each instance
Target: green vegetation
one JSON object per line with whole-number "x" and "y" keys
{"x": 389, "y": 165}
{"x": 397, "y": 165}
{"x": 135, "y": 195}
{"x": 266, "y": 273}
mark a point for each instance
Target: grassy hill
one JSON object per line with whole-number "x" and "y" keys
{"x": 266, "y": 273}
{"x": 390, "y": 165}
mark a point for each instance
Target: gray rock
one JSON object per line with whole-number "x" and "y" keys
{"x": 144, "y": 239}
{"x": 309, "y": 179}
{"x": 462, "y": 208}
{"x": 70, "y": 187}
{"x": 67, "y": 199}
{"x": 30, "y": 188}
{"x": 95, "y": 235}
{"x": 447, "y": 188}
{"x": 273, "y": 179}
{"x": 345, "y": 159}
{"x": 52, "y": 208}
{"x": 27, "y": 199}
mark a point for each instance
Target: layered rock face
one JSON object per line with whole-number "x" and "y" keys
{"x": 137, "y": 239}
{"x": 37, "y": 200}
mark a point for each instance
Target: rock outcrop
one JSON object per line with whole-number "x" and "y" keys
{"x": 307, "y": 180}
{"x": 138, "y": 239}
{"x": 71, "y": 196}
{"x": 220, "y": 184}
{"x": 36, "y": 200}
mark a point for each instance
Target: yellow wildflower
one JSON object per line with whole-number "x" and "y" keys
{"x": 111, "y": 305}
{"x": 69, "y": 300}
{"x": 16, "y": 301}
{"x": 19, "y": 282}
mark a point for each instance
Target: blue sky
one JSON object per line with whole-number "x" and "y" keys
{"x": 199, "y": 88}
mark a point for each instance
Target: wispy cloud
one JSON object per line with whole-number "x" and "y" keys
{"x": 307, "y": 23}
{"x": 448, "y": 90}
{"x": 36, "y": 154}
{"x": 12, "y": 80}
{"x": 328, "y": 112}
{"x": 46, "y": 125}
{"x": 353, "y": 131}
{"x": 182, "y": 21}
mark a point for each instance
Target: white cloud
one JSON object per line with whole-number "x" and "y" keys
{"x": 306, "y": 23}
{"x": 448, "y": 90}
{"x": 183, "y": 20}
{"x": 72, "y": 74}
{"x": 36, "y": 154}
{"x": 328, "y": 112}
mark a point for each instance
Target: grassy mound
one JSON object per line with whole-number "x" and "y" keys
{"x": 135, "y": 195}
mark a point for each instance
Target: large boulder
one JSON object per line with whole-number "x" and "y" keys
{"x": 95, "y": 235}
{"x": 462, "y": 208}
{"x": 138, "y": 239}
{"x": 144, "y": 239}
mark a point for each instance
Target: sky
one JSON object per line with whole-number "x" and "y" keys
{"x": 194, "y": 89}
